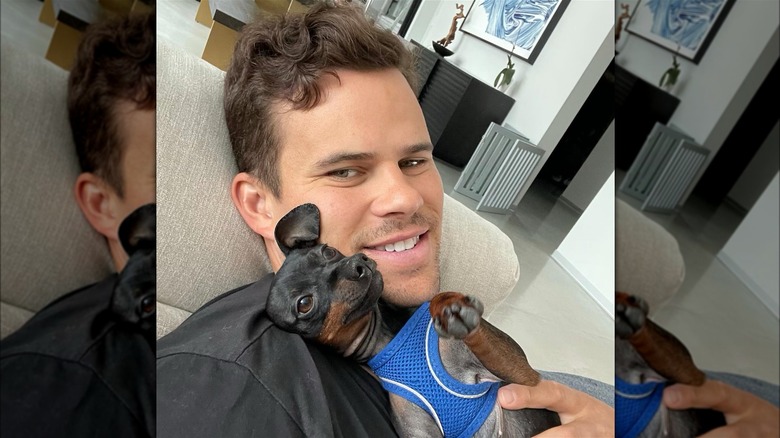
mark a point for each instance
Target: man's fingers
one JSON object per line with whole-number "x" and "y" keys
{"x": 564, "y": 431}
{"x": 546, "y": 395}
{"x": 712, "y": 394}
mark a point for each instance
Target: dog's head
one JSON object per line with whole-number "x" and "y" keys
{"x": 135, "y": 293}
{"x": 318, "y": 292}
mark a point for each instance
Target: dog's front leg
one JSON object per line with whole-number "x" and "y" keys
{"x": 459, "y": 316}
{"x": 662, "y": 351}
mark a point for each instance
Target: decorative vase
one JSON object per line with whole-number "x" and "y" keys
{"x": 671, "y": 76}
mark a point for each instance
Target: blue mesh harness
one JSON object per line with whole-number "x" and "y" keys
{"x": 635, "y": 405}
{"x": 410, "y": 366}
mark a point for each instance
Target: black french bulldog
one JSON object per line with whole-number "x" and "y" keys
{"x": 647, "y": 358}
{"x": 133, "y": 301}
{"x": 335, "y": 300}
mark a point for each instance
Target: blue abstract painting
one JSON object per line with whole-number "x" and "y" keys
{"x": 682, "y": 26}
{"x": 519, "y": 26}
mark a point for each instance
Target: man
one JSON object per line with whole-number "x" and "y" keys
{"x": 75, "y": 368}
{"x": 320, "y": 109}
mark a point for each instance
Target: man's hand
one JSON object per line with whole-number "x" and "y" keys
{"x": 581, "y": 415}
{"x": 746, "y": 415}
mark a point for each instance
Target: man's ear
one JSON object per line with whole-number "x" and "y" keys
{"x": 252, "y": 199}
{"x": 97, "y": 200}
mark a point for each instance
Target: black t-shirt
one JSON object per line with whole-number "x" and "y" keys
{"x": 73, "y": 371}
{"x": 228, "y": 371}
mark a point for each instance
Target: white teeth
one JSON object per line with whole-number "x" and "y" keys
{"x": 402, "y": 245}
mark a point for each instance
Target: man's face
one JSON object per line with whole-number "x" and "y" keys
{"x": 364, "y": 157}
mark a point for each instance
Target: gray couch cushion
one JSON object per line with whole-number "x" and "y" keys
{"x": 204, "y": 247}
{"x": 648, "y": 261}
{"x": 48, "y": 248}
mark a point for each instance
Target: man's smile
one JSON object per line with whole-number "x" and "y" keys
{"x": 412, "y": 253}
{"x": 398, "y": 243}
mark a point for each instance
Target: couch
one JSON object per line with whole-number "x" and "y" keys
{"x": 648, "y": 261}
{"x": 48, "y": 248}
{"x": 204, "y": 247}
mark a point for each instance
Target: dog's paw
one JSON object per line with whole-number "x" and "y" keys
{"x": 455, "y": 315}
{"x": 630, "y": 315}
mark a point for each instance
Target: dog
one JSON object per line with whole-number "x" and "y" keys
{"x": 335, "y": 300}
{"x": 647, "y": 358}
{"x": 133, "y": 301}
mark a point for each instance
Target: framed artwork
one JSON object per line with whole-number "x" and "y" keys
{"x": 517, "y": 26}
{"x": 685, "y": 27}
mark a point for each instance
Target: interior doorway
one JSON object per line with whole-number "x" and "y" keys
{"x": 742, "y": 143}
{"x": 581, "y": 136}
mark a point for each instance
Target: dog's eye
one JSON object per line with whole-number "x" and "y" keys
{"x": 328, "y": 252}
{"x": 305, "y": 304}
{"x": 147, "y": 305}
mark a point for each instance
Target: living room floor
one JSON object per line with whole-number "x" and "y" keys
{"x": 560, "y": 327}
{"x": 725, "y": 327}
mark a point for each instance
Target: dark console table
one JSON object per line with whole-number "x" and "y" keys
{"x": 638, "y": 106}
{"x": 457, "y": 107}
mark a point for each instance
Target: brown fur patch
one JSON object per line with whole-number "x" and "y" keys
{"x": 334, "y": 333}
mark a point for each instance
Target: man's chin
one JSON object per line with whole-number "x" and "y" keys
{"x": 410, "y": 291}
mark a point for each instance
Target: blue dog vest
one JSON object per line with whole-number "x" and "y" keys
{"x": 410, "y": 366}
{"x": 635, "y": 405}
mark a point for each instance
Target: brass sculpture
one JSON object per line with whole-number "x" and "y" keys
{"x": 620, "y": 19}
{"x": 453, "y": 27}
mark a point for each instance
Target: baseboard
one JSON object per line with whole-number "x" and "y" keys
{"x": 747, "y": 280}
{"x": 565, "y": 201}
{"x": 603, "y": 302}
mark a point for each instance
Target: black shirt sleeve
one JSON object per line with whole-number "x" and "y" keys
{"x": 228, "y": 371}
{"x": 199, "y": 396}
{"x": 44, "y": 396}
{"x": 70, "y": 371}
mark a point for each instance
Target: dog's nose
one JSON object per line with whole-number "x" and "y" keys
{"x": 358, "y": 266}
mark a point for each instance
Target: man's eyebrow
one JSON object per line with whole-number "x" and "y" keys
{"x": 420, "y": 147}
{"x": 339, "y": 157}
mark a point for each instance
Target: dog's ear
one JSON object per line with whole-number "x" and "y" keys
{"x": 138, "y": 230}
{"x": 300, "y": 228}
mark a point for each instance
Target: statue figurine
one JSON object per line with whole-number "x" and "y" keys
{"x": 505, "y": 76}
{"x": 623, "y": 16}
{"x": 669, "y": 78}
{"x": 453, "y": 27}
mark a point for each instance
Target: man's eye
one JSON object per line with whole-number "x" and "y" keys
{"x": 343, "y": 173}
{"x": 411, "y": 163}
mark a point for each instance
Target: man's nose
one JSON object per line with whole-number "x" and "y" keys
{"x": 397, "y": 194}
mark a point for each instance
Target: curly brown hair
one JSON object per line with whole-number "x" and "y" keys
{"x": 280, "y": 60}
{"x": 115, "y": 62}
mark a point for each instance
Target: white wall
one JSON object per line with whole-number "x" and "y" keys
{"x": 588, "y": 251}
{"x": 548, "y": 93}
{"x": 594, "y": 171}
{"x": 759, "y": 171}
{"x": 714, "y": 93}
{"x": 753, "y": 251}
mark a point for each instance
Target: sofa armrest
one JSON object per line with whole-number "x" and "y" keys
{"x": 648, "y": 261}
